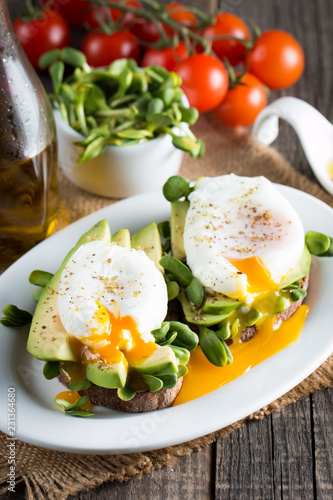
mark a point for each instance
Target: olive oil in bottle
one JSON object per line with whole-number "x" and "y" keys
{"x": 28, "y": 168}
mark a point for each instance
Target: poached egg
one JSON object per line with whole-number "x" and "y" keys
{"x": 241, "y": 235}
{"x": 110, "y": 298}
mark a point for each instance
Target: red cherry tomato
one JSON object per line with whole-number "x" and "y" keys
{"x": 228, "y": 24}
{"x": 94, "y": 15}
{"x": 277, "y": 59}
{"x": 179, "y": 13}
{"x": 101, "y": 49}
{"x": 39, "y": 35}
{"x": 145, "y": 31}
{"x": 204, "y": 81}
{"x": 168, "y": 57}
{"x": 242, "y": 103}
{"x": 74, "y": 11}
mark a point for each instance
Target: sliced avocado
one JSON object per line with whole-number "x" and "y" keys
{"x": 109, "y": 376}
{"x": 178, "y": 214}
{"x": 220, "y": 304}
{"x": 48, "y": 340}
{"x": 198, "y": 316}
{"x": 162, "y": 361}
{"x": 148, "y": 239}
{"x": 122, "y": 238}
{"x": 299, "y": 271}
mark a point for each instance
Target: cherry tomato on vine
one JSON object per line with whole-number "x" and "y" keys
{"x": 167, "y": 57}
{"x": 228, "y": 24}
{"x": 74, "y": 11}
{"x": 93, "y": 16}
{"x": 242, "y": 103}
{"x": 145, "y": 31}
{"x": 179, "y": 13}
{"x": 50, "y": 31}
{"x": 277, "y": 59}
{"x": 101, "y": 49}
{"x": 204, "y": 81}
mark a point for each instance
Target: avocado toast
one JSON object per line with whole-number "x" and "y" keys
{"x": 149, "y": 381}
{"x": 217, "y": 258}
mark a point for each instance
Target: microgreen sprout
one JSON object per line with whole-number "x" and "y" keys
{"x": 120, "y": 105}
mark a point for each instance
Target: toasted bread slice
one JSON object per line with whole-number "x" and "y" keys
{"x": 142, "y": 401}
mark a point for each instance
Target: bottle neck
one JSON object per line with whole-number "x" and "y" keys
{"x": 7, "y": 35}
{"x": 24, "y": 107}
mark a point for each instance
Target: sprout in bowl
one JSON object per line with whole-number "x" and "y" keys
{"x": 122, "y": 130}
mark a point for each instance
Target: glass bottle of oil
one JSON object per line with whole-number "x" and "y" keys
{"x": 28, "y": 173}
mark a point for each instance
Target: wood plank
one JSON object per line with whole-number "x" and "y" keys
{"x": 322, "y": 404}
{"x": 244, "y": 463}
{"x": 292, "y": 452}
{"x": 191, "y": 477}
{"x": 282, "y": 15}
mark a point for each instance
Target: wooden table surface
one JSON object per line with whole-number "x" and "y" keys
{"x": 288, "y": 455}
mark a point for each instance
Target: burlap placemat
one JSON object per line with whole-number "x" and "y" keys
{"x": 55, "y": 475}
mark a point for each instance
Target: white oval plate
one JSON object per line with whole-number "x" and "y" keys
{"x": 40, "y": 422}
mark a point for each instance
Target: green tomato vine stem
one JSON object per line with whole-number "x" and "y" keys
{"x": 159, "y": 16}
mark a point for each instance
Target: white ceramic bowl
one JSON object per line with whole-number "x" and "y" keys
{"x": 120, "y": 171}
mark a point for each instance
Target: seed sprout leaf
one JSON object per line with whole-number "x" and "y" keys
{"x": 160, "y": 333}
{"x": 40, "y": 278}
{"x": 172, "y": 289}
{"x": 49, "y": 58}
{"x": 154, "y": 383}
{"x": 169, "y": 381}
{"x": 51, "y": 369}
{"x": 73, "y": 57}
{"x": 169, "y": 339}
{"x": 57, "y": 72}
{"x": 79, "y": 386}
{"x": 317, "y": 243}
{"x": 126, "y": 393}
{"x": 212, "y": 347}
{"x": 186, "y": 338}
{"x": 79, "y": 413}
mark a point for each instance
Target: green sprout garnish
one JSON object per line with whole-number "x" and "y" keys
{"x": 74, "y": 409}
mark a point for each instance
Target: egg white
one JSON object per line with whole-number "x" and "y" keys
{"x": 232, "y": 218}
{"x": 123, "y": 281}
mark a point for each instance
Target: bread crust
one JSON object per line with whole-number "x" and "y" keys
{"x": 142, "y": 401}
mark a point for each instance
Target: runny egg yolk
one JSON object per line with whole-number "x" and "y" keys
{"x": 259, "y": 279}
{"x": 271, "y": 337}
{"x": 203, "y": 377}
{"x": 120, "y": 335}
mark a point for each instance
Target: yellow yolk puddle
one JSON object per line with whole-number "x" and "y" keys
{"x": 330, "y": 169}
{"x": 117, "y": 341}
{"x": 257, "y": 275}
{"x": 203, "y": 377}
{"x": 71, "y": 397}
